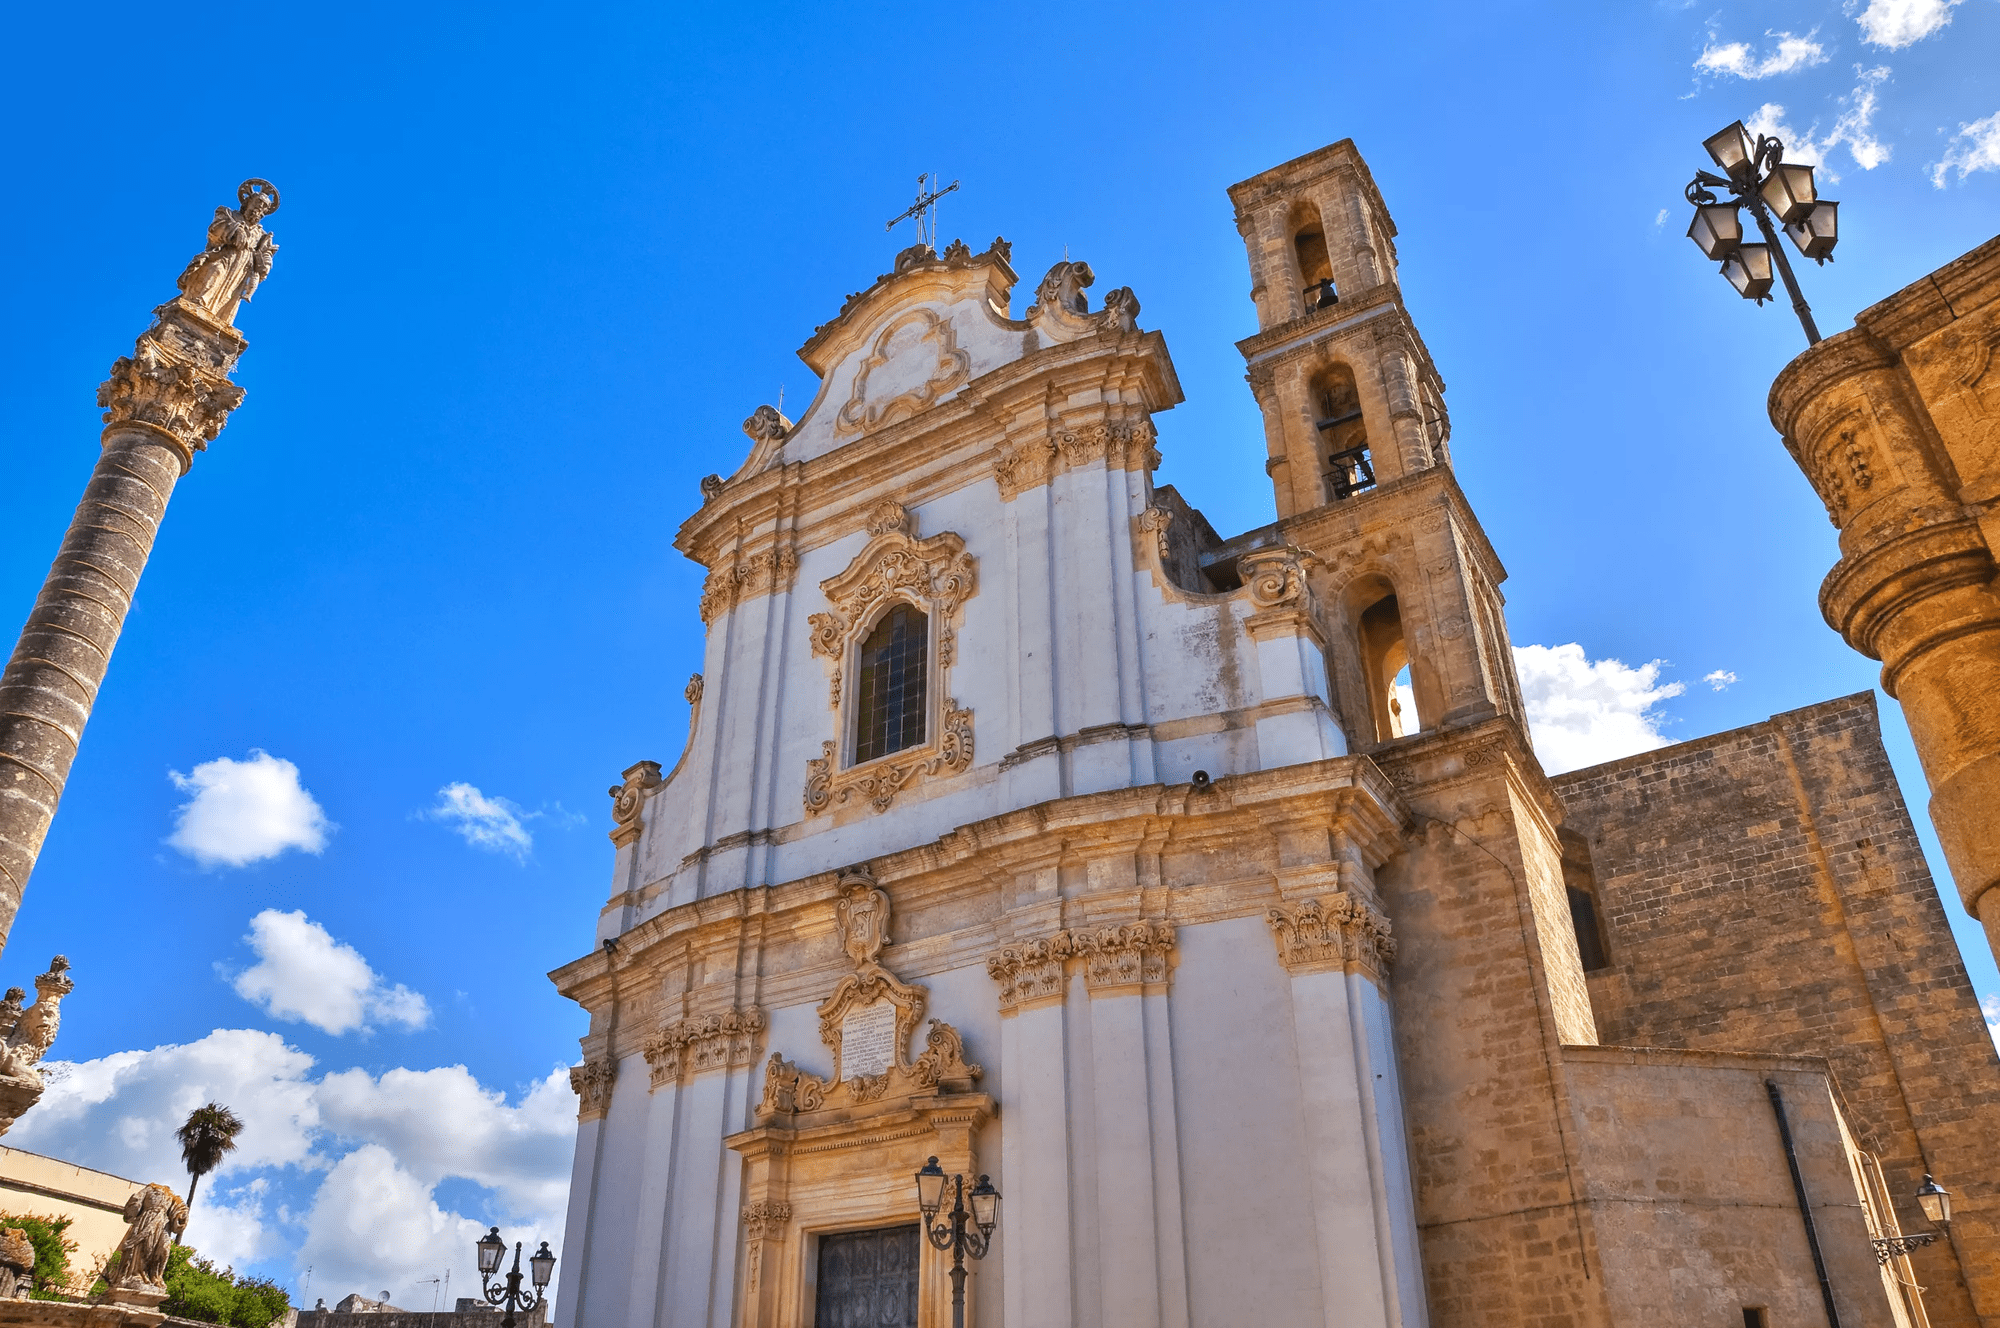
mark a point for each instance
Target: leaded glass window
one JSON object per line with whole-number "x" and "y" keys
{"x": 889, "y": 703}
{"x": 868, "y": 1279}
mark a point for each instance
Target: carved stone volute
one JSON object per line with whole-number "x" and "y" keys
{"x": 628, "y": 800}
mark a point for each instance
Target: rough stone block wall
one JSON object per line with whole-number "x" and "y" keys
{"x": 1763, "y": 890}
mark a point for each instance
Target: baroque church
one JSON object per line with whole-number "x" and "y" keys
{"x": 1203, "y": 893}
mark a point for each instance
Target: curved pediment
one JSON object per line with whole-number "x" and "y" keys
{"x": 911, "y": 340}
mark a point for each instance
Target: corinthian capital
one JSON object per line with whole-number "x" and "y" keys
{"x": 188, "y": 402}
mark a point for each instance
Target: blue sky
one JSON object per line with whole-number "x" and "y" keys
{"x": 538, "y": 263}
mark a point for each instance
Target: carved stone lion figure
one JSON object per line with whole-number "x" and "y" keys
{"x": 155, "y": 1216}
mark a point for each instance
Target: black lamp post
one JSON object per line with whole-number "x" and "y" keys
{"x": 507, "y": 1292}
{"x": 1935, "y": 1200}
{"x": 1757, "y": 173}
{"x": 949, "y": 1232}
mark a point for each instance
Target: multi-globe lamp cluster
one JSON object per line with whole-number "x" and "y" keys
{"x": 1755, "y": 173}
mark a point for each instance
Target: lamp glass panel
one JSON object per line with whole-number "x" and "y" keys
{"x": 1749, "y": 270}
{"x": 1935, "y": 1200}
{"x": 1717, "y": 229}
{"x": 985, "y": 1204}
{"x": 930, "y": 1187}
{"x": 1731, "y": 148}
{"x": 491, "y": 1249}
{"x": 1790, "y": 192}
{"x": 1818, "y": 231}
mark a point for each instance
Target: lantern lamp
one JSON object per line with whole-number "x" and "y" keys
{"x": 1717, "y": 229}
{"x": 543, "y": 1265}
{"x": 930, "y": 1188}
{"x": 1749, "y": 270}
{"x": 1817, "y": 232}
{"x": 1935, "y": 1200}
{"x": 985, "y": 1205}
{"x": 492, "y": 1250}
{"x": 1790, "y": 192}
{"x": 1731, "y": 148}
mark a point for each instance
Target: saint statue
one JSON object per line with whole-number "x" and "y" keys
{"x": 156, "y": 1215}
{"x": 238, "y": 255}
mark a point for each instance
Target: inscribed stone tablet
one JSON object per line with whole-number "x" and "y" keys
{"x": 868, "y": 1039}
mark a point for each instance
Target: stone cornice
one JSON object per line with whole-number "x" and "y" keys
{"x": 1377, "y": 313}
{"x": 919, "y": 273}
{"x": 1348, "y": 794}
{"x": 1332, "y": 159}
{"x": 1327, "y": 530}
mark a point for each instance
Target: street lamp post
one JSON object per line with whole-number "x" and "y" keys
{"x": 949, "y": 1231}
{"x": 507, "y": 1292}
{"x": 1935, "y": 1201}
{"x": 1756, "y": 173}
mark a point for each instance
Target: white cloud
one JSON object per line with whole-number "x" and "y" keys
{"x": 1738, "y": 59}
{"x": 1719, "y": 679}
{"x": 1583, "y": 712}
{"x": 1990, "y": 1007}
{"x": 1975, "y": 147}
{"x": 373, "y": 1151}
{"x": 1852, "y": 129}
{"x": 1899, "y": 23}
{"x": 493, "y": 824}
{"x": 1660, "y": 219}
{"x": 245, "y": 811}
{"x": 303, "y": 975}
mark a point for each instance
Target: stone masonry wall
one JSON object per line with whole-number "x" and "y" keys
{"x": 1763, "y": 890}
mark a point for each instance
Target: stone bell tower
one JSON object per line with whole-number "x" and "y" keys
{"x": 1489, "y": 984}
{"x": 1348, "y": 391}
{"x": 1359, "y": 456}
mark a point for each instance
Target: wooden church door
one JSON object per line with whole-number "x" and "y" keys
{"x": 868, "y": 1279}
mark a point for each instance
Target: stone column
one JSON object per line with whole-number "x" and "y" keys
{"x": 1896, "y": 422}
{"x": 162, "y": 404}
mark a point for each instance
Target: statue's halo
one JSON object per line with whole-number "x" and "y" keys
{"x": 254, "y": 186}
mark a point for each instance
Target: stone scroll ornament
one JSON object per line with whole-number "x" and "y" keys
{"x": 166, "y": 401}
{"x": 861, "y": 917}
{"x": 628, "y": 800}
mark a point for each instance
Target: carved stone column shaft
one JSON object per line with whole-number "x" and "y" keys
{"x": 52, "y": 680}
{"x": 163, "y": 403}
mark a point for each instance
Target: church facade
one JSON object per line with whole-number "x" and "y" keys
{"x": 1206, "y": 894}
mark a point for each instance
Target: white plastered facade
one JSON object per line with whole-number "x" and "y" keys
{"x": 1143, "y": 1131}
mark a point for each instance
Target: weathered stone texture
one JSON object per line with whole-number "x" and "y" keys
{"x": 1896, "y": 422}
{"x": 1764, "y": 890}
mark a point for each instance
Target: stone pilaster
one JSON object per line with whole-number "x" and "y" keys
{"x": 163, "y": 403}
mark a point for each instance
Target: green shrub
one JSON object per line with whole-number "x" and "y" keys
{"x": 196, "y": 1289}
{"x": 52, "y": 1247}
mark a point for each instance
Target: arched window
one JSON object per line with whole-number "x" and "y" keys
{"x": 1385, "y": 669}
{"x": 1314, "y": 265}
{"x": 1343, "y": 436}
{"x": 889, "y": 703}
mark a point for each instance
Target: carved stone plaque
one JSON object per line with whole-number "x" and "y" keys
{"x": 868, "y": 1039}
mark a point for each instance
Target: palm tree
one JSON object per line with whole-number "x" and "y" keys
{"x": 209, "y": 1133}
